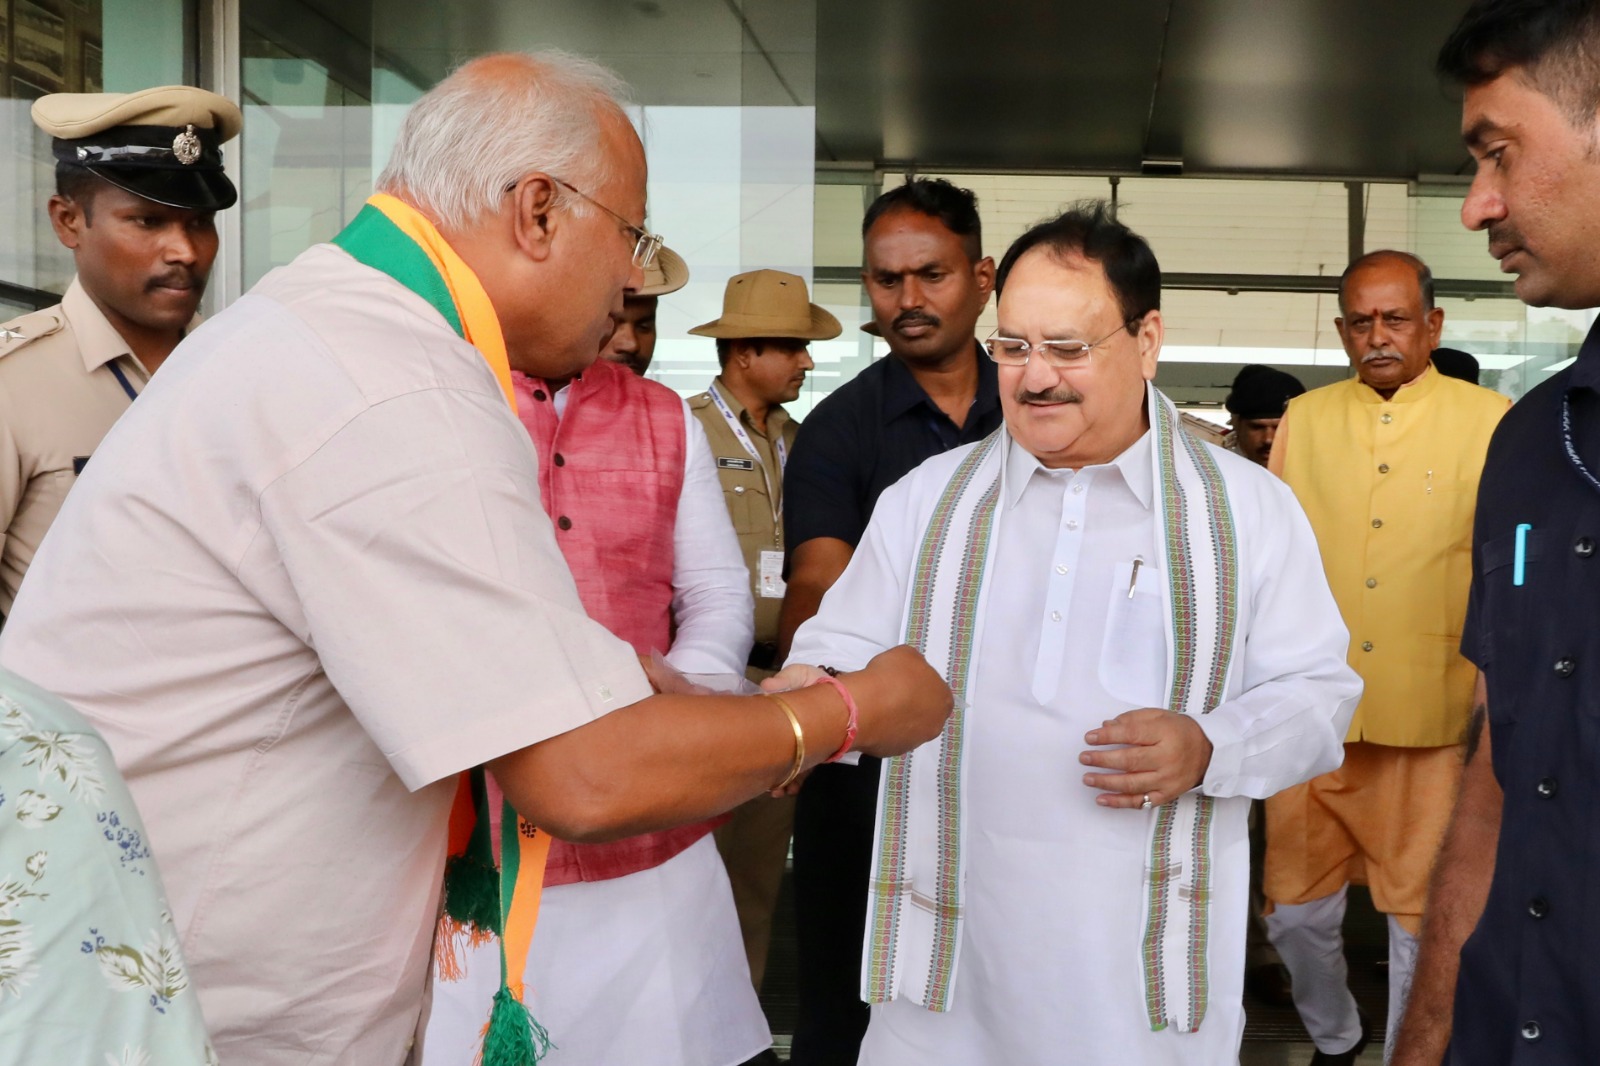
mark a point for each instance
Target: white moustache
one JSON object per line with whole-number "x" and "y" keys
{"x": 1381, "y": 353}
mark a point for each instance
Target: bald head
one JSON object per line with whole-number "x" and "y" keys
{"x": 1390, "y": 257}
{"x": 500, "y": 117}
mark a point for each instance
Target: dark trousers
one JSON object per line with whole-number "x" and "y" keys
{"x": 832, "y": 861}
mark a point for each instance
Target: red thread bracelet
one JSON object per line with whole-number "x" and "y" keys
{"x": 851, "y": 724}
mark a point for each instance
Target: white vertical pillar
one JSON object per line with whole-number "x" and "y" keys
{"x": 219, "y": 72}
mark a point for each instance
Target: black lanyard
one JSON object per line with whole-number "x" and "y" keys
{"x": 122, "y": 379}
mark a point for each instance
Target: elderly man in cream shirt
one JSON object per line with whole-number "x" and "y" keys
{"x": 307, "y": 581}
{"x": 1143, "y": 640}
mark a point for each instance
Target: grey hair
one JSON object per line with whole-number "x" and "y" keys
{"x": 494, "y": 120}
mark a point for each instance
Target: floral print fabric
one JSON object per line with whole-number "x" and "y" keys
{"x": 90, "y": 969}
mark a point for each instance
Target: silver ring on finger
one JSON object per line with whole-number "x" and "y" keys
{"x": 1146, "y": 805}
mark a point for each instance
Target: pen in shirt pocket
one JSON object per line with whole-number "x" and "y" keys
{"x": 1519, "y": 562}
{"x": 1133, "y": 579}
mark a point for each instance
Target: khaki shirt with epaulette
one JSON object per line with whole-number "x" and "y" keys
{"x": 58, "y": 397}
{"x": 745, "y": 488}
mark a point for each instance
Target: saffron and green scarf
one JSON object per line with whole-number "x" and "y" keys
{"x": 916, "y": 903}
{"x": 483, "y": 898}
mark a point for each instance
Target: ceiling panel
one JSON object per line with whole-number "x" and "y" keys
{"x": 1036, "y": 83}
{"x": 1334, "y": 88}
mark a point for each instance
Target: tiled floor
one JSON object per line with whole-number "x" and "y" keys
{"x": 1273, "y": 1035}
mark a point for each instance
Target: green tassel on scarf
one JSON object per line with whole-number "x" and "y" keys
{"x": 514, "y": 1038}
{"x": 471, "y": 879}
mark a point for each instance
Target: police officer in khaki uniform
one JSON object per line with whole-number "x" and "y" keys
{"x": 767, "y": 321}
{"x": 138, "y": 182}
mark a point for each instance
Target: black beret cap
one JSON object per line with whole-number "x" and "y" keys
{"x": 1262, "y": 392}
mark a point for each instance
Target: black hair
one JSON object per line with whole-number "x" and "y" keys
{"x": 955, "y": 208}
{"x": 78, "y": 184}
{"x": 1424, "y": 275}
{"x": 1088, "y": 228}
{"x": 1556, "y": 42}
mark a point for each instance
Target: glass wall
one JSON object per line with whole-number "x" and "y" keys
{"x": 724, "y": 102}
{"x": 52, "y": 46}
{"x": 1215, "y": 239}
{"x": 724, "y": 94}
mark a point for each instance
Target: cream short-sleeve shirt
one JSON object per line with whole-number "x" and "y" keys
{"x": 305, "y": 582}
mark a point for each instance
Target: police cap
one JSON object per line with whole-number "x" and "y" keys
{"x": 164, "y": 144}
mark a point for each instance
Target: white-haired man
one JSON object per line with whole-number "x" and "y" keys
{"x": 1108, "y": 595}
{"x": 307, "y": 581}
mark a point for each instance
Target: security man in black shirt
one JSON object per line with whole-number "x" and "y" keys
{"x": 1516, "y": 889}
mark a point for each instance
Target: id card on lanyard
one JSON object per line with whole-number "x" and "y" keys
{"x": 769, "y": 568}
{"x": 122, "y": 379}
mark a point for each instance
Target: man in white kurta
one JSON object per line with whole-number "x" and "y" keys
{"x": 1070, "y": 636}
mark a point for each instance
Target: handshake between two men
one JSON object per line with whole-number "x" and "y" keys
{"x": 1145, "y": 756}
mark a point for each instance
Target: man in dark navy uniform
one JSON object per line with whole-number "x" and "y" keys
{"x": 1516, "y": 887}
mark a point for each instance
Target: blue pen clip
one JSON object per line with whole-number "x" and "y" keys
{"x": 1519, "y": 565}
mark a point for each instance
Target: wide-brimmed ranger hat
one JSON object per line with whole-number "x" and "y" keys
{"x": 666, "y": 273}
{"x": 164, "y": 144}
{"x": 769, "y": 303}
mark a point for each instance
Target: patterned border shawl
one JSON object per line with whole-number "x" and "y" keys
{"x": 916, "y": 901}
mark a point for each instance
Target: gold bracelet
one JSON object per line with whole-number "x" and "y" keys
{"x": 799, "y": 741}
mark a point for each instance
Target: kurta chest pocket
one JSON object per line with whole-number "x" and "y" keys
{"x": 1133, "y": 654}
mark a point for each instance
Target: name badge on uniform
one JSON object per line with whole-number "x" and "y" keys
{"x": 769, "y": 575}
{"x": 728, "y": 462}
{"x": 78, "y": 463}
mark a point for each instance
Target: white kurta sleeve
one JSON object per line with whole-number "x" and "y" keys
{"x": 1287, "y": 721}
{"x": 711, "y": 600}
{"x": 861, "y": 615}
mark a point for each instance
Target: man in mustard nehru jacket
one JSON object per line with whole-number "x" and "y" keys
{"x": 138, "y": 184}
{"x": 1386, "y": 465}
{"x": 763, "y": 335}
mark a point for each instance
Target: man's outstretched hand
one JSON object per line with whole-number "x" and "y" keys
{"x": 903, "y": 701}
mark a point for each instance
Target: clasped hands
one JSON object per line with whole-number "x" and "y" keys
{"x": 1163, "y": 754}
{"x": 1149, "y": 752}
{"x": 903, "y": 701}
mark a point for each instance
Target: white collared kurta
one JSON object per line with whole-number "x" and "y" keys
{"x": 1050, "y": 969}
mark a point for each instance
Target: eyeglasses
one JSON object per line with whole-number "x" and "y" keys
{"x": 1063, "y": 354}
{"x": 645, "y": 243}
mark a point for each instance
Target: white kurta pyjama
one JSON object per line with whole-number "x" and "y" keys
{"x": 649, "y": 967}
{"x": 646, "y": 968}
{"x": 1050, "y": 970}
